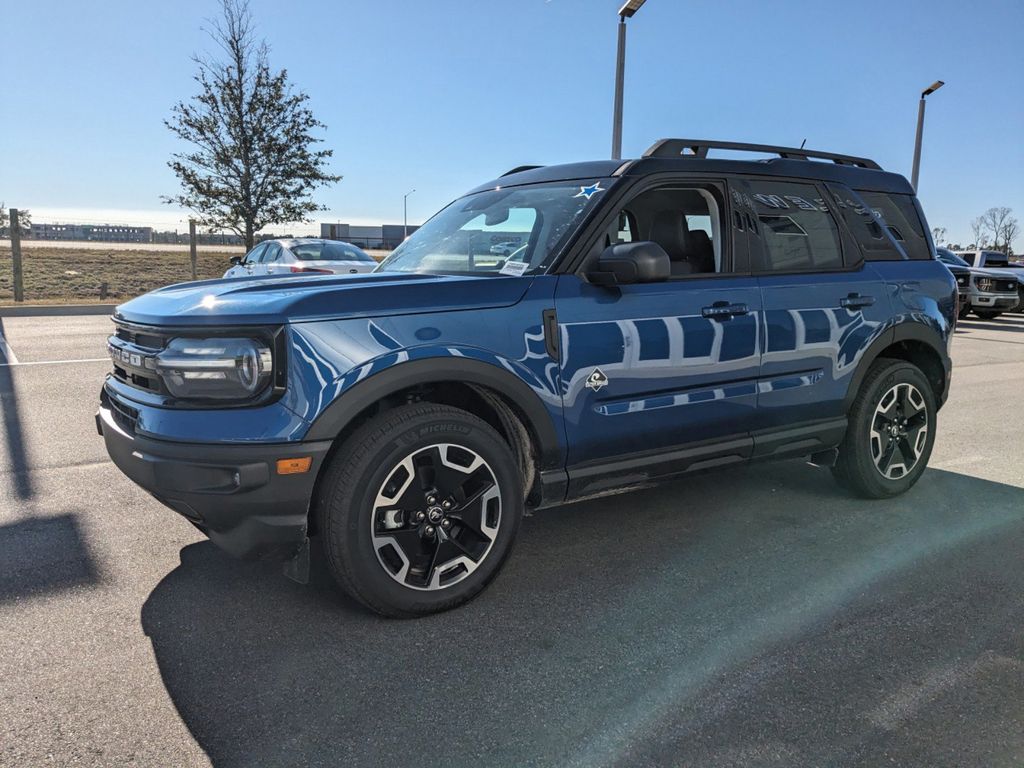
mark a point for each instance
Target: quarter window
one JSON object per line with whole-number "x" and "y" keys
{"x": 898, "y": 214}
{"x": 795, "y": 226}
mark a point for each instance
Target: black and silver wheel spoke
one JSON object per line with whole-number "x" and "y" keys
{"x": 899, "y": 430}
{"x": 436, "y": 516}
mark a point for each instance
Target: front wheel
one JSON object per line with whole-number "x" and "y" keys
{"x": 890, "y": 433}
{"x": 419, "y": 509}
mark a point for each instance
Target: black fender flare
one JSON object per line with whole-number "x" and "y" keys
{"x": 907, "y": 331}
{"x": 524, "y": 400}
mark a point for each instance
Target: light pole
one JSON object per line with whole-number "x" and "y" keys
{"x": 920, "y": 130}
{"x": 627, "y": 10}
{"x": 405, "y": 214}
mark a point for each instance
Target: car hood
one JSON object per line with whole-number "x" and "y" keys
{"x": 294, "y": 298}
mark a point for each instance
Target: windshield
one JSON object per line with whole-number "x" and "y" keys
{"x": 511, "y": 231}
{"x": 951, "y": 258}
{"x": 327, "y": 251}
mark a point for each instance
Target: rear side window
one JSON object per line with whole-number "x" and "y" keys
{"x": 796, "y": 230}
{"x": 877, "y": 241}
{"x": 899, "y": 215}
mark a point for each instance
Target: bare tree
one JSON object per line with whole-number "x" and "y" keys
{"x": 938, "y": 235}
{"x": 253, "y": 160}
{"x": 1011, "y": 229}
{"x": 995, "y": 220}
{"x": 980, "y": 230}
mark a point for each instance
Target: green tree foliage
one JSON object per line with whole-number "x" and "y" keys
{"x": 24, "y": 221}
{"x": 253, "y": 159}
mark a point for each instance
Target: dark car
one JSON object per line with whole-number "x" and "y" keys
{"x": 668, "y": 314}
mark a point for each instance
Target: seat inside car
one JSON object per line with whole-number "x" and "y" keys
{"x": 669, "y": 230}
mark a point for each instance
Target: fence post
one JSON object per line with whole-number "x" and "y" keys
{"x": 19, "y": 287}
{"x": 192, "y": 245}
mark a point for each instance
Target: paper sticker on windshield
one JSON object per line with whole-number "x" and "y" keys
{"x": 515, "y": 268}
{"x": 589, "y": 192}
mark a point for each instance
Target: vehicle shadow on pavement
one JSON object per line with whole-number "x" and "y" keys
{"x": 990, "y": 325}
{"x": 43, "y": 554}
{"x": 759, "y": 616}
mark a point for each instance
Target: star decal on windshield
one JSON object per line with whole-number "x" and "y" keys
{"x": 590, "y": 191}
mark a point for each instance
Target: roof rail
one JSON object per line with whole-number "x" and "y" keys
{"x": 700, "y": 147}
{"x": 519, "y": 168}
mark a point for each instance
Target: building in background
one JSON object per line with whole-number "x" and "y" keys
{"x": 107, "y": 233}
{"x": 385, "y": 237}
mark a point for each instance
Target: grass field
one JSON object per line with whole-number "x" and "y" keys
{"x": 54, "y": 275}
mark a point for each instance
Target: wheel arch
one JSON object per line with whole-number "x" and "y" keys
{"x": 484, "y": 389}
{"x": 915, "y": 343}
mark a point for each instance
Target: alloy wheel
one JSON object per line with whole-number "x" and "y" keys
{"x": 899, "y": 431}
{"x": 436, "y": 516}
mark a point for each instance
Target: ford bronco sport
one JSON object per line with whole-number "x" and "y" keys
{"x": 667, "y": 314}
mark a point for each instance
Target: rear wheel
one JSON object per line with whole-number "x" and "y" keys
{"x": 891, "y": 431}
{"x": 987, "y": 315}
{"x": 419, "y": 509}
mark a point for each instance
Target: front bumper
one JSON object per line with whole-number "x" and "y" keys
{"x": 231, "y": 492}
{"x": 994, "y": 300}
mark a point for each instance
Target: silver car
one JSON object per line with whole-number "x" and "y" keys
{"x": 306, "y": 255}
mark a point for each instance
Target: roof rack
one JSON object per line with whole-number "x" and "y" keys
{"x": 520, "y": 168}
{"x": 700, "y": 147}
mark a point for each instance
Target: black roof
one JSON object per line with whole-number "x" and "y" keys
{"x": 855, "y": 172}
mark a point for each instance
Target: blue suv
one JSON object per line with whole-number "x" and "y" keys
{"x": 663, "y": 315}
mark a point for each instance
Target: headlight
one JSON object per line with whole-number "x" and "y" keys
{"x": 984, "y": 283}
{"x": 215, "y": 369}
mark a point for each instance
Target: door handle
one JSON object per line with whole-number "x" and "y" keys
{"x": 855, "y": 301}
{"x": 723, "y": 310}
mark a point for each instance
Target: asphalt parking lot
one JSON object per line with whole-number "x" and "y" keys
{"x": 755, "y": 617}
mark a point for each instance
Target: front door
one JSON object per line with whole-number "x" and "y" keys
{"x": 658, "y": 378}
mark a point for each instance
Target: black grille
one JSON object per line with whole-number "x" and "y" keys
{"x": 146, "y": 342}
{"x": 1006, "y": 285}
{"x": 125, "y": 416}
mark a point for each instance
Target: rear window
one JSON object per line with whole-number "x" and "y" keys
{"x": 329, "y": 252}
{"x": 899, "y": 215}
{"x": 996, "y": 259}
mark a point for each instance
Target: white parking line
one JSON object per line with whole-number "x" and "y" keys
{"x": 56, "y": 362}
{"x": 7, "y": 352}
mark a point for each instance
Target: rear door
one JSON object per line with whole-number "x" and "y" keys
{"x": 659, "y": 377}
{"x": 823, "y": 306}
{"x": 272, "y": 261}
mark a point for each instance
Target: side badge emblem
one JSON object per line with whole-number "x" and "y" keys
{"x": 596, "y": 380}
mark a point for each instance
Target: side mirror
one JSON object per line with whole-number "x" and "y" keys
{"x": 626, "y": 263}
{"x": 236, "y": 260}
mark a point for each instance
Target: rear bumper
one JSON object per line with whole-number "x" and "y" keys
{"x": 231, "y": 492}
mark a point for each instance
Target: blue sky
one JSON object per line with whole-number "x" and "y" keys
{"x": 439, "y": 96}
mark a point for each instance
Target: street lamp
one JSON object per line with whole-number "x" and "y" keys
{"x": 405, "y": 214}
{"x": 920, "y": 129}
{"x": 627, "y": 10}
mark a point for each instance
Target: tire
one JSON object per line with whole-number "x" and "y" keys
{"x": 987, "y": 315}
{"x": 389, "y": 543}
{"x": 965, "y": 310}
{"x": 867, "y": 464}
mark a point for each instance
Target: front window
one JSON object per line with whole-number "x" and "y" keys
{"x": 514, "y": 231}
